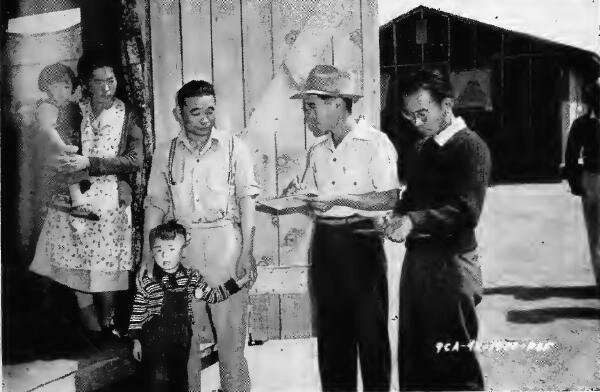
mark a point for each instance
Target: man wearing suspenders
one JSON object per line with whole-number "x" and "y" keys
{"x": 206, "y": 183}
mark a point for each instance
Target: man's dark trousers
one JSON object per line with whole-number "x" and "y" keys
{"x": 349, "y": 291}
{"x": 439, "y": 289}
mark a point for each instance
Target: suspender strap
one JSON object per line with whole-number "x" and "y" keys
{"x": 230, "y": 169}
{"x": 229, "y": 174}
{"x": 171, "y": 159}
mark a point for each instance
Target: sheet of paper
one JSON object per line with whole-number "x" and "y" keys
{"x": 284, "y": 205}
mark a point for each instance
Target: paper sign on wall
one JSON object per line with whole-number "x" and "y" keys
{"x": 472, "y": 89}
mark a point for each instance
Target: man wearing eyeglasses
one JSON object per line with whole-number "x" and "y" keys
{"x": 447, "y": 175}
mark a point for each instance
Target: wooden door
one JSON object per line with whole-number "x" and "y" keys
{"x": 257, "y": 53}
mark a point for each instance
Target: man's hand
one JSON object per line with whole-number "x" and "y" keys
{"x": 125, "y": 194}
{"x": 398, "y": 227}
{"x": 137, "y": 350}
{"x": 241, "y": 282}
{"x": 296, "y": 186}
{"x": 382, "y": 222}
{"x": 146, "y": 268}
{"x": 246, "y": 266}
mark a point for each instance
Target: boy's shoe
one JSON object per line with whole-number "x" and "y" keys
{"x": 83, "y": 212}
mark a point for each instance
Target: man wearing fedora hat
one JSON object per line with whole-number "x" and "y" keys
{"x": 353, "y": 171}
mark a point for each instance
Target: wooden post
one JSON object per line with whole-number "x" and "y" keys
{"x": 166, "y": 67}
{"x": 394, "y": 40}
{"x": 474, "y": 47}
{"x": 422, "y": 45}
{"x": 196, "y": 17}
{"x": 277, "y": 194}
{"x": 449, "y": 48}
{"x": 502, "y": 83}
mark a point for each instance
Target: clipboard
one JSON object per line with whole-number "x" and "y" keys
{"x": 293, "y": 204}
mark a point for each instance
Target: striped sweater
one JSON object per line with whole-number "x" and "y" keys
{"x": 149, "y": 299}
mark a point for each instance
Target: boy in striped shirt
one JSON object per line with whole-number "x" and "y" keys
{"x": 160, "y": 324}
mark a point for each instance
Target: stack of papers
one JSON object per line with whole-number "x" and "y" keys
{"x": 285, "y": 205}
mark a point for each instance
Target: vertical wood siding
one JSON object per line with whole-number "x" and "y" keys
{"x": 257, "y": 53}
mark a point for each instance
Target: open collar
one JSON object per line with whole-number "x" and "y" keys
{"x": 216, "y": 136}
{"x": 457, "y": 125}
{"x": 360, "y": 131}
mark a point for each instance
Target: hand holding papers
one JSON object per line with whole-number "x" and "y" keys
{"x": 321, "y": 203}
{"x": 398, "y": 228}
{"x": 294, "y": 187}
{"x": 379, "y": 225}
{"x": 285, "y": 205}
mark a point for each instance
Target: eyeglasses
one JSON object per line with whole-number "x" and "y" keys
{"x": 416, "y": 118}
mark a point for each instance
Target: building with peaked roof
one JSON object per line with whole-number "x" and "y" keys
{"x": 519, "y": 92}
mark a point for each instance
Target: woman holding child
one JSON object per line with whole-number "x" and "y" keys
{"x": 92, "y": 253}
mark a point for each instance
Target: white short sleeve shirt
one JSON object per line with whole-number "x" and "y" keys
{"x": 365, "y": 161}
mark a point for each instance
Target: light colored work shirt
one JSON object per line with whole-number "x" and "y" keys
{"x": 200, "y": 187}
{"x": 365, "y": 161}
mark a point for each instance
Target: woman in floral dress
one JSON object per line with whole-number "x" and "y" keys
{"x": 94, "y": 257}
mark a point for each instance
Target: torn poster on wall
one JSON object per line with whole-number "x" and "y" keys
{"x": 472, "y": 89}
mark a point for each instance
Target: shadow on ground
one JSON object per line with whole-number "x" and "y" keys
{"x": 42, "y": 321}
{"x": 546, "y": 315}
{"x": 525, "y": 293}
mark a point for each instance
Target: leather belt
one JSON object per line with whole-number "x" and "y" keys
{"x": 207, "y": 225}
{"x": 349, "y": 220}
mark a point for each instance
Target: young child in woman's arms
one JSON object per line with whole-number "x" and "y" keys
{"x": 59, "y": 120}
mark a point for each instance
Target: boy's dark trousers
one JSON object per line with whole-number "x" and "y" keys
{"x": 166, "y": 342}
{"x": 439, "y": 289}
{"x": 349, "y": 291}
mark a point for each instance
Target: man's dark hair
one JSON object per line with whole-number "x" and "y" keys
{"x": 347, "y": 101}
{"x": 55, "y": 73}
{"x": 435, "y": 81}
{"x": 591, "y": 97}
{"x": 194, "y": 88}
{"x": 167, "y": 231}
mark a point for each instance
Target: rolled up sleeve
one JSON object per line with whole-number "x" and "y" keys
{"x": 383, "y": 167}
{"x": 245, "y": 180}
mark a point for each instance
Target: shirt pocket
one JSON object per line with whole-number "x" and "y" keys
{"x": 182, "y": 200}
{"x": 218, "y": 192}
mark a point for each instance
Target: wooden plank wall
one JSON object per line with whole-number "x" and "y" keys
{"x": 257, "y": 53}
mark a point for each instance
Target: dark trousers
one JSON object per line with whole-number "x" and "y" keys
{"x": 166, "y": 371}
{"x": 439, "y": 290}
{"x": 349, "y": 291}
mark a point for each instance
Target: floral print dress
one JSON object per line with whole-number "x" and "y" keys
{"x": 91, "y": 256}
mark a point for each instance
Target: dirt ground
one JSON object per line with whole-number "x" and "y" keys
{"x": 539, "y": 288}
{"x": 539, "y": 298}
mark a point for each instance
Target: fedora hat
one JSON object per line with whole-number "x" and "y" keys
{"x": 328, "y": 80}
